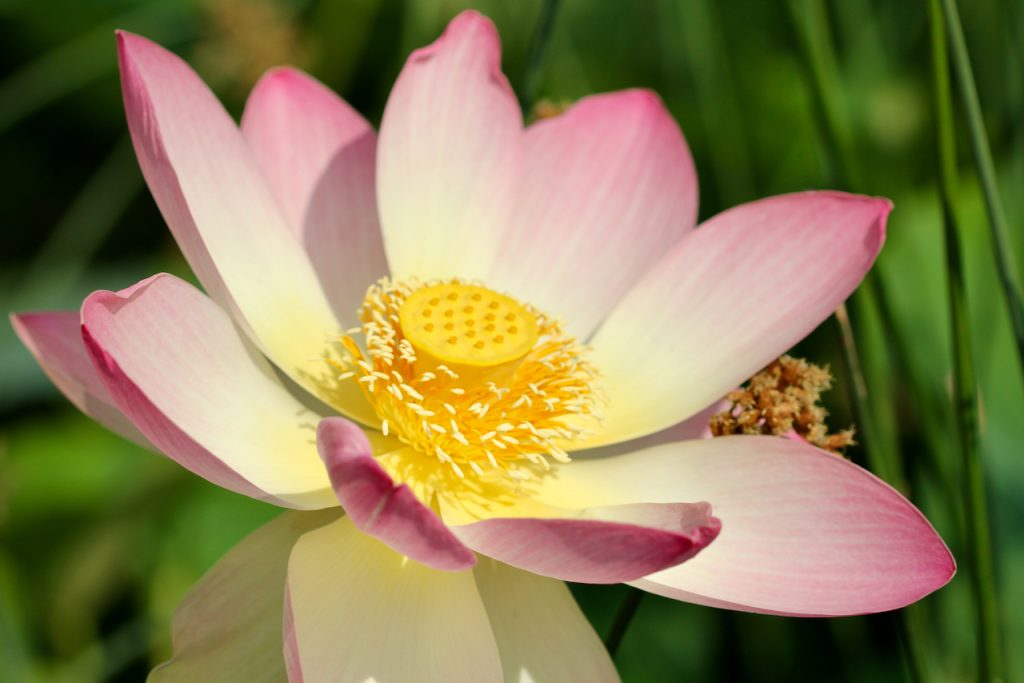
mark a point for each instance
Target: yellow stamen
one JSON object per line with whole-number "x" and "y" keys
{"x": 470, "y": 377}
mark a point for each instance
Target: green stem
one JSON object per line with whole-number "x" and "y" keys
{"x": 623, "y": 617}
{"x": 862, "y": 416}
{"x": 539, "y": 45}
{"x": 998, "y": 227}
{"x": 990, "y": 659}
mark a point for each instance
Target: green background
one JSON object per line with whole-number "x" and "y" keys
{"x": 99, "y": 540}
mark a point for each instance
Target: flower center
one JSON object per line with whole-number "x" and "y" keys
{"x": 471, "y": 329}
{"x": 474, "y": 379}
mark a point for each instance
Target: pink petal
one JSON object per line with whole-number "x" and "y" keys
{"x": 55, "y": 340}
{"x": 607, "y": 187}
{"x": 597, "y": 545}
{"x": 176, "y": 365}
{"x": 804, "y": 532}
{"x": 358, "y": 611}
{"x": 379, "y": 507}
{"x": 731, "y": 297}
{"x": 319, "y": 157}
{"x": 449, "y": 156}
{"x": 541, "y": 633}
{"x": 209, "y": 188}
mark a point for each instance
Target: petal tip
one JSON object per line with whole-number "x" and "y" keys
{"x": 471, "y": 20}
{"x": 469, "y": 26}
{"x": 128, "y": 42}
{"x": 282, "y": 76}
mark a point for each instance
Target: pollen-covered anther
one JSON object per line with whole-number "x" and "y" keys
{"x": 783, "y": 398}
{"x": 471, "y": 377}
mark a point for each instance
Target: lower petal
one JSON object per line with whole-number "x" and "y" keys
{"x": 804, "y": 532}
{"x": 542, "y": 635}
{"x": 228, "y": 628}
{"x": 358, "y": 611}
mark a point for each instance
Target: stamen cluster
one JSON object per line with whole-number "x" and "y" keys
{"x": 511, "y": 422}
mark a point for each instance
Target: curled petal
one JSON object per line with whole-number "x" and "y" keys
{"x": 608, "y": 544}
{"x": 379, "y": 507}
{"x": 174, "y": 362}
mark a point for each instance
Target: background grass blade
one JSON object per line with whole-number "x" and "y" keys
{"x": 990, "y": 656}
{"x": 539, "y": 45}
{"x": 1002, "y": 245}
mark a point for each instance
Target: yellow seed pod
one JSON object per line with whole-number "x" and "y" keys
{"x": 467, "y": 327}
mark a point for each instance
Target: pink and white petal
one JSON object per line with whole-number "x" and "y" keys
{"x": 607, "y": 188}
{"x": 209, "y": 188}
{"x": 541, "y": 633}
{"x": 358, "y": 611}
{"x": 319, "y": 156}
{"x": 608, "y": 544}
{"x": 804, "y": 532}
{"x": 179, "y": 369}
{"x": 450, "y": 155}
{"x": 229, "y": 626}
{"x": 377, "y": 506}
{"x": 727, "y": 300}
{"x": 55, "y": 340}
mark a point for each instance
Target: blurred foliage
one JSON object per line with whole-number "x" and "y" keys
{"x": 100, "y": 540}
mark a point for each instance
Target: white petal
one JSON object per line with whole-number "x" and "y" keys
{"x": 359, "y": 611}
{"x": 542, "y": 635}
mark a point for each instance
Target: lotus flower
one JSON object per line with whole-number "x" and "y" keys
{"x": 495, "y": 348}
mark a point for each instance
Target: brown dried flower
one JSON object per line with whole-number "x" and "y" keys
{"x": 783, "y": 398}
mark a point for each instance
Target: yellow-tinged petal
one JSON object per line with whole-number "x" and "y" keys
{"x": 360, "y": 612}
